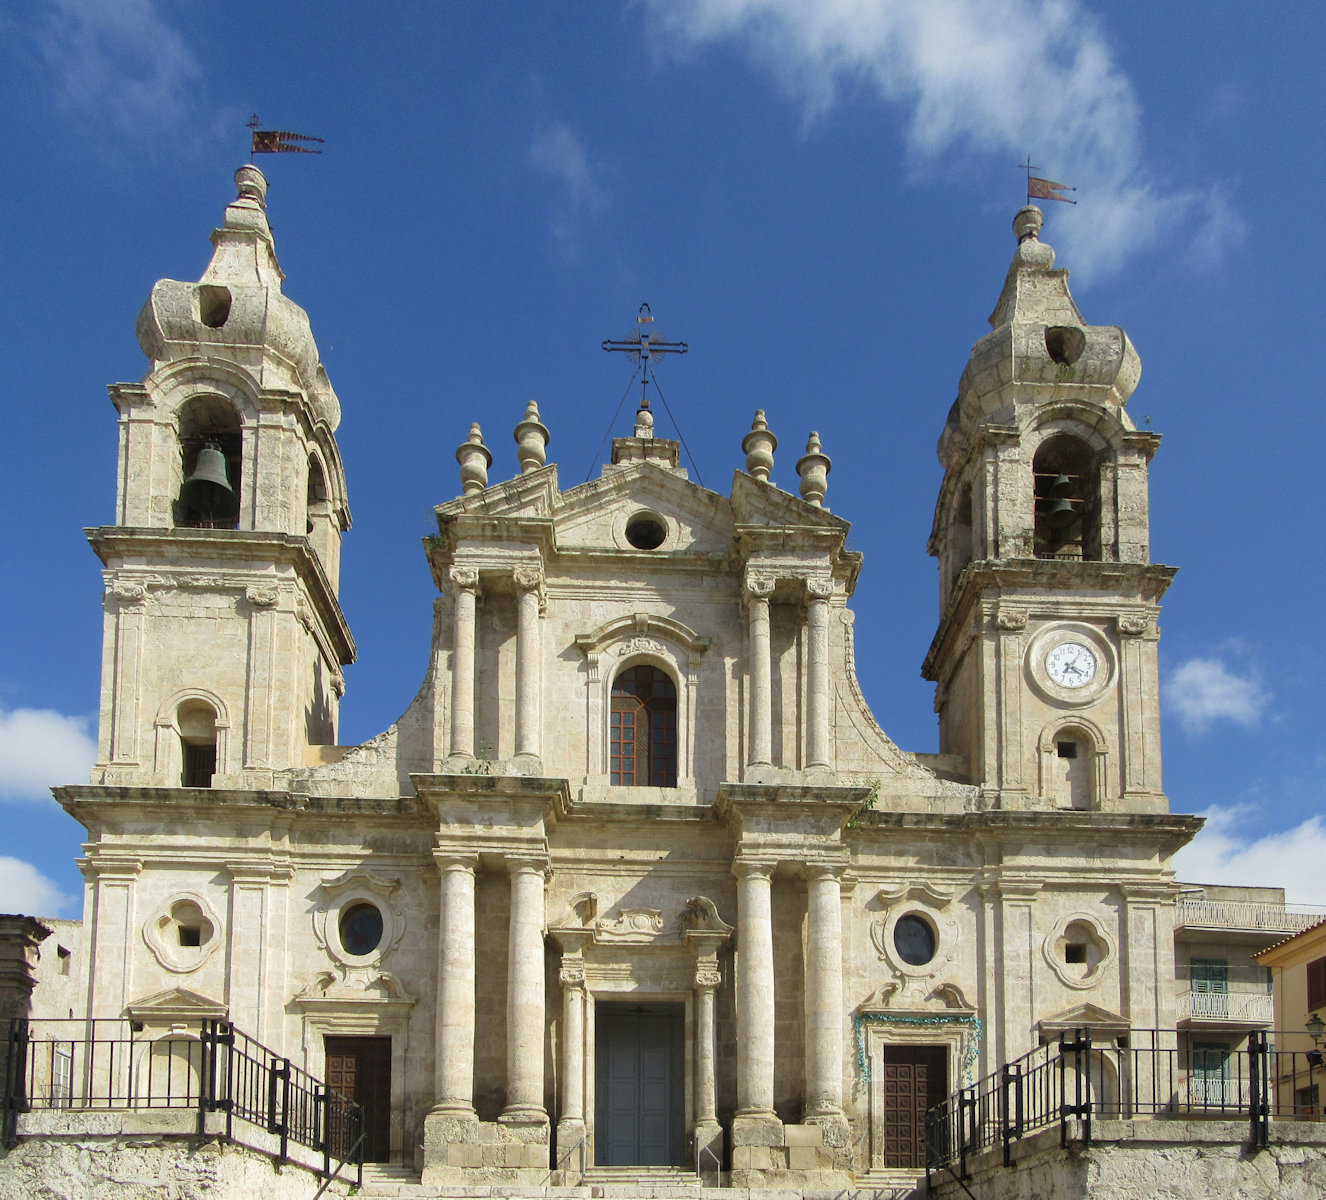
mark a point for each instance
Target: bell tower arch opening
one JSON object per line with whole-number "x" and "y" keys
{"x": 1066, "y": 475}
{"x": 196, "y": 721}
{"x": 211, "y": 458}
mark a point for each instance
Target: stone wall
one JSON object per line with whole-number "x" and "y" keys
{"x": 1153, "y": 1160}
{"x": 149, "y": 1166}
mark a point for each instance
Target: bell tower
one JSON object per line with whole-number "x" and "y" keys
{"x": 224, "y": 638}
{"x": 1045, "y": 658}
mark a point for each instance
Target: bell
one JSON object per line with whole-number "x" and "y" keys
{"x": 207, "y": 491}
{"x": 1060, "y": 514}
{"x": 1062, "y": 486}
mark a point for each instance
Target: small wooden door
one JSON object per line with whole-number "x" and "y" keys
{"x": 915, "y": 1078}
{"x": 360, "y": 1069}
{"x": 640, "y": 1085}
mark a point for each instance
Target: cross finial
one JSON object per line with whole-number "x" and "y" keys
{"x": 644, "y": 344}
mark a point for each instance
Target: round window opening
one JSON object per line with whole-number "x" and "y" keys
{"x": 646, "y": 532}
{"x": 914, "y": 940}
{"x": 361, "y": 929}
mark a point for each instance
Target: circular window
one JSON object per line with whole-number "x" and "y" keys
{"x": 914, "y": 939}
{"x": 646, "y": 531}
{"x": 361, "y": 929}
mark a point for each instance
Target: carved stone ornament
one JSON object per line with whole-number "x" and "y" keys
{"x": 342, "y": 893}
{"x": 527, "y": 578}
{"x": 581, "y": 910}
{"x": 1133, "y": 626}
{"x": 640, "y": 645}
{"x": 262, "y": 597}
{"x": 164, "y": 932}
{"x": 1012, "y": 620}
{"x": 305, "y": 615}
{"x": 759, "y": 587}
{"x": 701, "y": 914}
{"x": 465, "y": 579}
{"x": 708, "y": 977}
{"x": 126, "y": 594}
{"x": 633, "y": 925}
{"x": 819, "y": 588}
{"x": 379, "y": 987}
{"x": 572, "y": 974}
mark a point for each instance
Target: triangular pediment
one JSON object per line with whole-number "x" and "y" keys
{"x": 758, "y": 503}
{"x": 531, "y": 495}
{"x": 1083, "y": 1016}
{"x": 593, "y": 515}
{"x": 175, "y": 1004}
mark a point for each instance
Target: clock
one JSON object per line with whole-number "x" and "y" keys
{"x": 1071, "y": 665}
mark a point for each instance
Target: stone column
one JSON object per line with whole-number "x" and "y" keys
{"x": 755, "y": 988}
{"x": 454, "y": 1054}
{"x": 708, "y": 1132}
{"x": 758, "y": 590}
{"x": 571, "y": 1119}
{"x": 824, "y": 991}
{"x": 465, "y": 580}
{"x": 529, "y": 721}
{"x": 524, "y": 997}
{"x": 818, "y": 697}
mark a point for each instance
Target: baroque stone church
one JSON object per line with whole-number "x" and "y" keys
{"x": 637, "y": 878}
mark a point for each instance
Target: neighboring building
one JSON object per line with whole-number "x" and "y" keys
{"x": 1299, "y": 966}
{"x": 637, "y": 879}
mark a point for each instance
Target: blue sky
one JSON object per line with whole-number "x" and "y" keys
{"x": 817, "y": 197}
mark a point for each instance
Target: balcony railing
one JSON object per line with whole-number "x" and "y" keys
{"x": 1244, "y": 1008}
{"x": 1245, "y": 914}
{"x": 206, "y": 1067}
{"x": 1144, "y": 1073}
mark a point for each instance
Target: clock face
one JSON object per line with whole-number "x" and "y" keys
{"x": 1071, "y": 665}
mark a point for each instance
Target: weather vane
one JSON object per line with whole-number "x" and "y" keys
{"x": 278, "y": 141}
{"x": 645, "y": 347}
{"x": 1044, "y": 189}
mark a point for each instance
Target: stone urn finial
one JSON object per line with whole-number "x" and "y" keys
{"x": 1027, "y": 224}
{"x": 474, "y": 458}
{"x": 252, "y": 184}
{"x": 532, "y": 440}
{"x": 644, "y": 421}
{"x": 814, "y": 467}
{"x": 759, "y": 445}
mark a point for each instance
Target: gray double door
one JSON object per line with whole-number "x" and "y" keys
{"x": 640, "y": 1064}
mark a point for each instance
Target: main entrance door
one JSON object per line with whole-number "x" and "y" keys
{"x": 360, "y": 1069}
{"x": 639, "y": 1110}
{"x": 915, "y": 1078}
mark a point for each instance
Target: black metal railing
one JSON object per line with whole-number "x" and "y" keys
{"x": 1085, "y": 1074}
{"x": 203, "y": 1066}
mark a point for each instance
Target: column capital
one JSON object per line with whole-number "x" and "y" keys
{"x": 572, "y": 973}
{"x": 758, "y": 585}
{"x": 707, "y": 978}
{"x": 464, "y": 579}
{"x": 456, "y": 860}
{"x": 528, "y": 864}
{"x": 819, "y": 869}
{"x": 757, "y": 868}
{"x": 527, "y": 579}
{"x": 819, "y": 587}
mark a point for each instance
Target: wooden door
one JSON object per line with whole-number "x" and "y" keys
{"x": 640, "y": 1085}
{"x": 360, "y": 1069}
{"x": 915, "y": 1079}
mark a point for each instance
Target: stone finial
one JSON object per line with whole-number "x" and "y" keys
{"x": 644, "y": 421}
{"x": 532, "y": 440}
{"x": 814, "y": 467}
{"x": 252, "y": 184}
{"x": 1027, "y": 224}
{"x": 474, "y": 458}
{"x": 759, "y": 445}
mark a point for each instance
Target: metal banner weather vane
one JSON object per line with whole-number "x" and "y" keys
{"x": 279, "y": 141}
{"x": 1044, "y": 189}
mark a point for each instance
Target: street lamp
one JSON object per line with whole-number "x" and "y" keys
{"x": 1315, "y": 1026}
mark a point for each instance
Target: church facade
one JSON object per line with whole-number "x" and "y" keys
{"x": 637, "y": 879}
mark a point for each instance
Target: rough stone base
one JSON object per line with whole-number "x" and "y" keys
{"x": 766, "y": 1153}
{"x": 1145, "y": 1159}
{"x": 149, "y": 1166}
{"x": 463, "y": 1150}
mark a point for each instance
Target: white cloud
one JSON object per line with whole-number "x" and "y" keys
{"x": 40, "y": 748}
{"x": 992, "y": 77}
{"x": 1291, "y": 859}
{"x": 558, "y": 151}
{"x": 120, "y": 64}
{"x": 1203, "y": 691}
{"x": 24, "y": 889}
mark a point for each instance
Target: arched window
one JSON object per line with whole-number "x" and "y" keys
{"x": 644, "y": 728}
{"x": 210, "y": 453}
{"x": 1067, "y": 488}
{"x": 197, "y": 726}
{"x": 1073, "y": 769}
